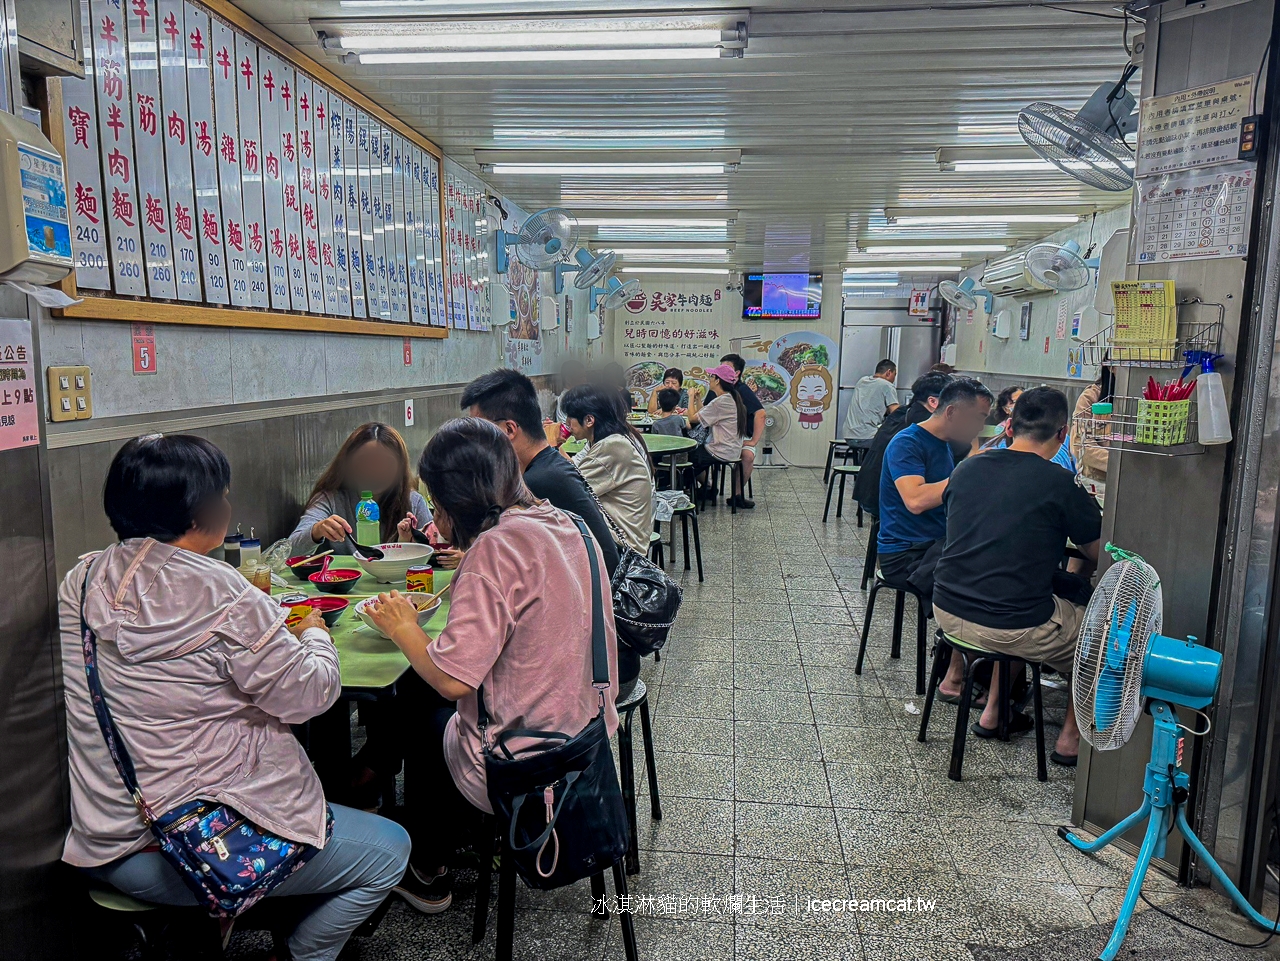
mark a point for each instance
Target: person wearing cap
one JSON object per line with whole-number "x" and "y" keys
{"x": 727, "y": 418}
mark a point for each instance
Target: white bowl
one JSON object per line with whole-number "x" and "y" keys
{"x": 399, "y": 558}
{"x": 417, "y": 597}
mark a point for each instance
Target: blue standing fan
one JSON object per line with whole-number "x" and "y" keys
{"x": 591, "y": 268}
{"x": 1122, "y": 661}
{"x": 542, "y": 241}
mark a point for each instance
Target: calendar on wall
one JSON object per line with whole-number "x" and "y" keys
{"x": 205, "y": 168}
{"x": 1194, "y": 214}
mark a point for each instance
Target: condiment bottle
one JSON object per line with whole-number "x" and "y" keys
{"x": 250, "y": 553}
{"x": 231, "y": 547}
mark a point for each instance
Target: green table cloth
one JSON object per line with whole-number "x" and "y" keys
{"x": 368, "y": 660}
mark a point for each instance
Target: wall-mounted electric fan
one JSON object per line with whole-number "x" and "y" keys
{"x": 1060, "y": 267}
{"x": 1122, "y": 662}
{"x": 965, "y": 294}
{"x": 1089, "y": 145}
{"x": 777, "y": 421}
{"x": 592, "y": 269}
{"x": 613, "y": 294}
{"x": 541, "y": 242}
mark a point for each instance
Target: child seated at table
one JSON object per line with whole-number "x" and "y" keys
{"x": 666, "y": 420}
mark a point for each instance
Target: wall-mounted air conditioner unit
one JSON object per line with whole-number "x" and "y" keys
{"x": 1008, "y": 277}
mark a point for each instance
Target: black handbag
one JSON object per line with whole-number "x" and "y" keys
{"x": 645, "y": 599}
{"x": 559, "y": 800}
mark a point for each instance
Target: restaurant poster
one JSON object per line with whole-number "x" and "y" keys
{"x": 84, "y": 174}
{"x": 19, "y": 414}
{"x": 685, "y": 325}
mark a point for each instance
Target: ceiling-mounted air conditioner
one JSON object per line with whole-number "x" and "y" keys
{"x": 1008, "y": 277}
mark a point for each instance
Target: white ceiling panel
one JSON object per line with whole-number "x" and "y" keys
{"x": 838, "y": 112}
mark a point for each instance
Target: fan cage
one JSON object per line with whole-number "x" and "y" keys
{"x": 1070, "y": 270}
{"x": 956, "y": 296}
{"x": 1131, "y": 584}
{"x": 1076, "y": 147}
{"x": 538, "y": 230}
{"x": 621, "y": 295}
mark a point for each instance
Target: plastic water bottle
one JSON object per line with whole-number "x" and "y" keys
{"x": 368, "y": 521}
{"x": 1211, "y": 400}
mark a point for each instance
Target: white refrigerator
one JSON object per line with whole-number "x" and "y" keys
{"x": 873, "y": 330}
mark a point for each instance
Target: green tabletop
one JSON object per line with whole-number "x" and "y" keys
{"x": 368, "y": 660}
{"x": 656, "y": 443}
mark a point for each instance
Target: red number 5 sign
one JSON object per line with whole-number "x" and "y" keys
{"x": 144, "y": 348}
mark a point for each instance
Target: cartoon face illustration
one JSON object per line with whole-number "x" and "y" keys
{"x": 811, "y": 394}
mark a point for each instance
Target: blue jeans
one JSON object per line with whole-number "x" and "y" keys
{"x": 362, "y": 862}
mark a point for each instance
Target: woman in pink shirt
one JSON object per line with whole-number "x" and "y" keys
{"x": 203, "y": 680}
{"x": 519, "y": 624}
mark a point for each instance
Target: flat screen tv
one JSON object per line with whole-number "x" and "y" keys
{"x": 782, "y": 296}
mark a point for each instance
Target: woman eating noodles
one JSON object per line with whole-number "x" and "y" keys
{"x": 519, "y": 624}
{"x": 373, "y": 458}
{"x": 615, "y": 463}
{"x": 203, "y": 679}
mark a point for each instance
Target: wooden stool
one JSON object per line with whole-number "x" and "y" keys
{"x": 946, "y": 644}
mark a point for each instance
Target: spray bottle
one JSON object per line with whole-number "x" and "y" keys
{"x": 1211, "y": 399}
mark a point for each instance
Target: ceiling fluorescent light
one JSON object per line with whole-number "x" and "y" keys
{"x": 1000, "y": 166}
{"x": 532, "y": 37}
{"x": 650, "y": 223}
{"x": 907, "y": 269}
{"x": 533, "y": 56}
{"x": 675, "y": 270}
{"x": 608, "y": 169}
{"x": 943, "y": 249}
{"x": 981, "y": 220}
{"x": 889, "y": 281}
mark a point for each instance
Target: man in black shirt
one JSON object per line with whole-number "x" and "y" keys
{"x": 1010, "y": 513}
{"x": 509, "y": 399}
{"x": 755, "y": 417}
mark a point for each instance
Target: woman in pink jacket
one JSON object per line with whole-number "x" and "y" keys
{"x": 203, "y": 680}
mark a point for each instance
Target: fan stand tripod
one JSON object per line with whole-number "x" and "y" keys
{"x": 1165, "y": 787}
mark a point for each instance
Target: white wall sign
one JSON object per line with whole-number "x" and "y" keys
{"x": 1194, "y": 214}
{"x": 202, "y": 133}
{"x": 1193, "y": 128}
{"x": 84, "y": 175}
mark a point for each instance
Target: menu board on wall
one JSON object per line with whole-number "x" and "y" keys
{"x": 207, "y": 169}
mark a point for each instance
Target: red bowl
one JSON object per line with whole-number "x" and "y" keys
{"x": 304, "y": 571}
{"x": 335, "y": 581}
{"x": 330, "y": 608}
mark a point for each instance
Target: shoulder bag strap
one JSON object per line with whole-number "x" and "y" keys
{"x": 115, "y": 744}
{"x": 599, "y": 640}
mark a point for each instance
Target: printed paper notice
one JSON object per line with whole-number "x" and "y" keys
{"x": 19, "y": 417}
{"x": 1195, "y": 214}
{"x": 1192, "y": 128}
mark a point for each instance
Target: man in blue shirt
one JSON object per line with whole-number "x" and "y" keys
{"x": 917, "y": 466}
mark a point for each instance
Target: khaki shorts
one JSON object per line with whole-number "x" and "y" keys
{"x": 1052, "y": 643}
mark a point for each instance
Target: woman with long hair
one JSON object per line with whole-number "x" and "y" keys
{"x": 373, "y": 458}
{"x": 727, "y": 417}
{"x": 519, "y": 626}
{"x": 615, "y": 462}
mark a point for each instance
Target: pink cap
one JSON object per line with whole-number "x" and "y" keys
{"x": 725, "y": 372}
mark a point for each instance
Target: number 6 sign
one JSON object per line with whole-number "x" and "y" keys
{"x": 144, "y": 349}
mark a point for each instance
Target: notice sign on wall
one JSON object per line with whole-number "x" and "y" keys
{"x": 19, "y": 419}
{"x": 144, "y": 348}
{"x": 1193, "y": 128}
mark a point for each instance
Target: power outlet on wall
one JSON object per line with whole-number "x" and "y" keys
{"x": 70, "y": 393}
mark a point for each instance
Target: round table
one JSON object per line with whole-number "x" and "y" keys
{"x": 658, "y": 445}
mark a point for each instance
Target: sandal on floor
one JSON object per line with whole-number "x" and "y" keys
{"x": 979, "y": 698}
{"x": 1018, "y": 724}
{"x": 1066, "y": 760}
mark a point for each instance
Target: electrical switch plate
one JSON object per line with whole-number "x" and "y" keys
{"x": 70, "y": 393}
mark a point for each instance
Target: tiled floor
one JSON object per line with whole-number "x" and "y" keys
{"x": 784, "y": 778}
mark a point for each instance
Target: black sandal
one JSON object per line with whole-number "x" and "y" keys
{"x": 1019, "y": 723}
{"x": 1066, "y": 760}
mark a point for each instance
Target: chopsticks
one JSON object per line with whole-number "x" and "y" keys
{"x": 1172, "y": 390}
{"x": 311, "y": 557}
